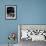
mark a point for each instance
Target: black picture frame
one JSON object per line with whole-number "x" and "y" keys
{"x": 10, "y": 12}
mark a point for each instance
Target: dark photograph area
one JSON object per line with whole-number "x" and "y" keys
{"x": 10, "y": 11}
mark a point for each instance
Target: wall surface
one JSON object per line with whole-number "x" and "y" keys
{"x": 28, "y": 12}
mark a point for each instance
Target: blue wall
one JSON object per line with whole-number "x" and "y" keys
{"x": 28, "y": 12}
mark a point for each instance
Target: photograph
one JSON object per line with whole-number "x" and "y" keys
{"x": 10, "y": 12}
{"x": 31, "y": 33}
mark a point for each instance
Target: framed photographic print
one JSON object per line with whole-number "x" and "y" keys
{"x": 10, "y": 12}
